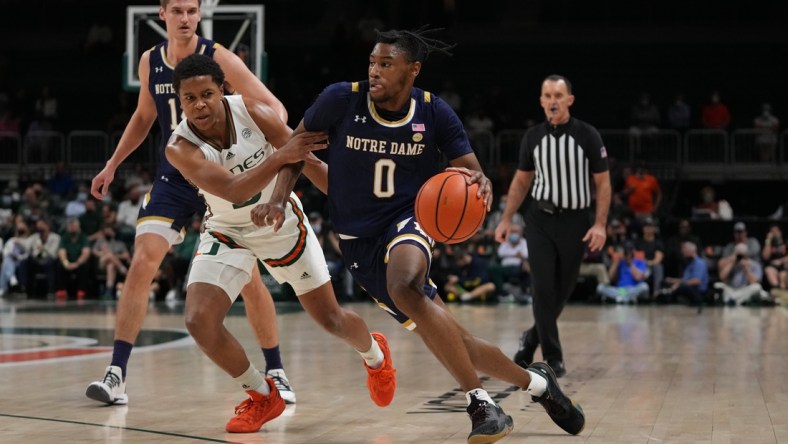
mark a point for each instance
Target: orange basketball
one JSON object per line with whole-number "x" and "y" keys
{"x": 447, "y": 209}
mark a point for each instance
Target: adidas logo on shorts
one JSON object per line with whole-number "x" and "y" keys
{"x": 305, "y": 275}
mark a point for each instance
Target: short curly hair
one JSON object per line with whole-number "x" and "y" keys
{"x": 197, "y": 65}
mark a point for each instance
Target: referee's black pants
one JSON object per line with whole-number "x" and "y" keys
{"x": 555, "y": 251}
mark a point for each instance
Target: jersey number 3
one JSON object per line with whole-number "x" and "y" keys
{"x": 384, "y": 178}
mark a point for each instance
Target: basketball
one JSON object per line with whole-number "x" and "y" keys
{"x": 447, "y": 209}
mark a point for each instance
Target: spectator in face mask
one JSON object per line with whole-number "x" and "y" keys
{"x": 44, "y": 246}
{"x": 515, "y": 269}
{"x": 76, "y": 206}
{"x": 494, "y": 217}
{"x": 74, "y": 253}
{"x": 15, "y": 253}
{"x": 91, "y": 220}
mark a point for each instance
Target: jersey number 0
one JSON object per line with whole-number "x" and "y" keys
{"x": 384, "y": 178}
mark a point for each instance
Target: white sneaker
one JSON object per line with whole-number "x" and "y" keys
{"x": 282, "y": 384}
{"x": 111, "y": 389}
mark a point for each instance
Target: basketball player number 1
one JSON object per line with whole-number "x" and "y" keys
{"x": 174, "y": 114}
{"x": 384, "y": 171}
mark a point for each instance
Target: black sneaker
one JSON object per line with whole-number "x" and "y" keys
{"x": 558, "y": 368}
{"x": 564, "y": 412}
{"x": 525, "y": 354}
{"x": 489, "y": 422}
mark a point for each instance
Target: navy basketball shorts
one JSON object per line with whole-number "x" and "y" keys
{"x": 367, "y": 259}
{"x": 168, "y": 208}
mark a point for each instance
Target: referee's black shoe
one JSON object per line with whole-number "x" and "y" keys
{"x": 564, "y": 412}
{"x": 525, "y": 354}
{"x": 558, "y": 368}
{"x": 488, "y": 421}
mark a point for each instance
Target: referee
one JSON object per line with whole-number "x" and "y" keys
{"x": 559, "y": 158}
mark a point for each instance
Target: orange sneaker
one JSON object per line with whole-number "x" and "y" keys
{"x": 251, "y": 414}
{"x": 382, "y": 381}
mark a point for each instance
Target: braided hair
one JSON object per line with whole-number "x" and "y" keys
{"x": 415, "y": 44}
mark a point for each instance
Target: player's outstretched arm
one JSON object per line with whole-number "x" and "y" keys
{"x": 214, "y": 178}
{"x": 289, "y": 149}
{"x": 316, "y": 172}
{"x": 295, "y": 150}
{"x": 136, "y": 131}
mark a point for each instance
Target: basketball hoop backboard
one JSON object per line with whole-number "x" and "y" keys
{"x": 239, "y": 28}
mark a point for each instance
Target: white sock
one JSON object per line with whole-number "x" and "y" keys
{"x": 480, "y": 394}
{"x": 251, "y": 379}
{"x": 374, "y": 356}
{"x": 538, "y": 384}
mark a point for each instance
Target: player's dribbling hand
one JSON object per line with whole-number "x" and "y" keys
{"x": 99, "y": 187}
{"x": 485, "y": 186}
{"x": 299, "y": 147}
{"x": 267, "y": 214}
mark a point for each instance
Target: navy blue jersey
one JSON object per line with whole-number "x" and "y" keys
{"x": 377, "y": 160}
{"x": 168, "y": 107}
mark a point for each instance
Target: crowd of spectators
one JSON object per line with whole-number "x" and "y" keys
{"x": 59, "y": 242}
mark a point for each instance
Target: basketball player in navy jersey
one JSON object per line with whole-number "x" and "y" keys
{"x": 386, "y": 139}
{"x": 172, "y": 201}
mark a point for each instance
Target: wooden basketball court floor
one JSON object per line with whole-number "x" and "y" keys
{"x": 643, "y": 374}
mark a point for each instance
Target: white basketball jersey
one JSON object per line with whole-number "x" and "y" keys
{"x": 248, "y": 150}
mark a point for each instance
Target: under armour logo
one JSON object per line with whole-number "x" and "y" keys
{"x": 354, "y": 265}
{"x": 158, "y": 69}
{"x": 363, "y": 119}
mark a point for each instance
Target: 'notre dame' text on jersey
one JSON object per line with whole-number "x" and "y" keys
{"x": 168, "y": 106}
{"x": 378, "y": 160}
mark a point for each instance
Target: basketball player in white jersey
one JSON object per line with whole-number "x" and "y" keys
{"x": 226, "y": 148}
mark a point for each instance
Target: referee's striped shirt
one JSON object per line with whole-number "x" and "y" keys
{"x": 564, "y": 159}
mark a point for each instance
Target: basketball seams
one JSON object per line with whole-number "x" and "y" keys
{"x": 436, "y": 210}
{"x": 441, "y": 195}
{"x": 458, "y": 223}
